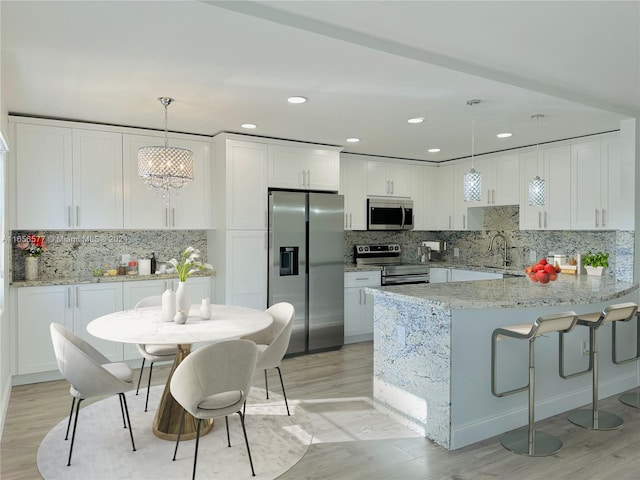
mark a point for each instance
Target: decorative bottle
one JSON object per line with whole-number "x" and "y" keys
{"x": 168, "y": 305}
{"x": 205, "y": 309}
{"x": 153, "y": 263}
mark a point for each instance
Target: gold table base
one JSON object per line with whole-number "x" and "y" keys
{"x": 167, "y": 420}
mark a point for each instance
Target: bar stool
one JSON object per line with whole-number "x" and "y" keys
{"x": 529, "y": 442}
{"x": 594, "y": 418}
{"x": 632, "y": 398}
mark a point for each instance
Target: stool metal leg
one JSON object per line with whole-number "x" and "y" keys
{"x": 594, "y": 419}
{"x": 529, "y": 442}
{"x": 632, "y": 399}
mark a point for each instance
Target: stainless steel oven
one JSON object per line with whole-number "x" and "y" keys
{"x": 394, "y": 271}
{"x": 389, "y": 214}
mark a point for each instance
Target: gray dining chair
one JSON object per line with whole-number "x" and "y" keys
{"x": 90, "y": 374}
{"x": 215, "y": 381}
{"x": 273, "y": 342}
{"x": 153, "y": 353}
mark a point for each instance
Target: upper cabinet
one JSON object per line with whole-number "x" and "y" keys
{"x": 388, "y": 179}
{"x": 453, "y": 208}
{"x": 144, "y": 208}
{"x": 500, "y": 180}
{"x": 241, "y": 184}
{"x": 599, "y": 200}
{"x": 554, "y": 166}
{"x": 352, "y": 186}
{"x": 304, "y": 168}
{"x": 67, "y": 178}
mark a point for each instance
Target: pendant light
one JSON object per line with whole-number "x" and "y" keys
{"x": 472, "y": 186}
{"x": 165, "y": 169}
{"x": 537, "y": 184}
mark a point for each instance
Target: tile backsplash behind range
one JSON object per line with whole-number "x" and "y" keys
{"x": 73, "y": 254}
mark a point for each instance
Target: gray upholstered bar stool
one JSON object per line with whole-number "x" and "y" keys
{"x": 529, "y": 442}
{"x": 632, "y": 398}
{"x": 594, "y": 418}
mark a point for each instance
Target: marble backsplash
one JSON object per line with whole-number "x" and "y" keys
{"x": 73, "y": 254}
{"x": 473, "y": 245}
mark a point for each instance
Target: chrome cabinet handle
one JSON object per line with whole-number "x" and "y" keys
{"x": 493, "y": 196}
{"x": 539, "y": 219}
{"x": 77, "y": 297}
{"x": 545, "y": 219}
{"x": 77, "y": 215}
{"x": 350, "y": 221}
{"x": 68, "y": 297}
{"x": 391, "y": 187}
{"x": 603, "y": 218}
{"x": 488, "y": 195}
{"x": 173, "y": 217}
{"x": 464, "y": 221}
{"x": 597, "y": 214}
{"x": 69, "y": 220}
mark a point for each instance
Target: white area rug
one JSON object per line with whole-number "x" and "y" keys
{"x": 102, "y": 449}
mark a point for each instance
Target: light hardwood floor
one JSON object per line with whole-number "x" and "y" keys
{"x": 331, "y": 377}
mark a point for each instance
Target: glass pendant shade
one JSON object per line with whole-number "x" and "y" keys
{"x": 536, "y": 191}
{"x": 165, "y": 169}
{"x": 472, "y": 186}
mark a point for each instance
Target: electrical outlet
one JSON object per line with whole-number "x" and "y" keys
{"x": 533, "y": 256}
{"x": 585, "y": 349}
{"x": 456, "y": 252}
{"x": 402, "y": 335}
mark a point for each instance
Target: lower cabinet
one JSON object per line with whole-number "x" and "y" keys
{"x": 358, "y": 306}
{"x": 75, "y": 306}
{"x": 442, "y": 275}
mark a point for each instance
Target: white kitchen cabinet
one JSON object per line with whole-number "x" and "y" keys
{"x": 554, "y": 166}
{"x": 431, "y": 214}
{"x": 352, "y": 186}
{"x": 189, "y": 207}
{"x": 241, "y": 258}
{"x": 453, "y": 208}
{"x": 443, "y": 275}
{"x": 592, "y": 189}
{"x": 358, "y": 306}
{"x": 241, "y": 184}
{"x": 388, "y": 179}
{"x": 72, "y": 305}
{"x": 305, "y": 168}
{"x": 500, "y": 180}
{"x": 67, "y": 178}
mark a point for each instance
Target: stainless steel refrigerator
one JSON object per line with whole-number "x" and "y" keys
{"x": 306, "y": 266}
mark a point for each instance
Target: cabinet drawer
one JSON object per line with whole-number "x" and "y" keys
{"x": 362, "y": 279}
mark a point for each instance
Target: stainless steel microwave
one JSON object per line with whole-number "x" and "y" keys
{"x": 389, "y": 214}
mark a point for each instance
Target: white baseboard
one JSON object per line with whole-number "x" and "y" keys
{"x": 4, "y": 405}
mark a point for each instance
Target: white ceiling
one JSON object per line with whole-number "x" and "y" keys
{"x": 366, "y": 67}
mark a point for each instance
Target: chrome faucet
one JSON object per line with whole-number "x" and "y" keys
{"x": 505, "y": 262}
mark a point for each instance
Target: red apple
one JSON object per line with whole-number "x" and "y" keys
{"x": 542, "y": 261}
{"x": 542, "y": 276}
{"x": 549, "y": 268}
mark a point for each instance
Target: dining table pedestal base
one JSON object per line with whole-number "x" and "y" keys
{"x": 167, "y": 420}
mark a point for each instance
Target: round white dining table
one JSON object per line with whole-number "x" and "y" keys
{"x": 145, "y": 326}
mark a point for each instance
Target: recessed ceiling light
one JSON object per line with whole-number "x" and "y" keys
{"x": 296, "y": 99}
{"x": 416, "y": 120}
{"x": 249, "y": 125}
{"x": 353, "y": 140}
{"x": 504, "y": 135}
{"x": 433, "y": 150}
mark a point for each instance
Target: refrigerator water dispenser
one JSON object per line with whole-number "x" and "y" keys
{"x": 289, "y": 261}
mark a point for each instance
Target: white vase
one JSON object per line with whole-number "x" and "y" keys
{"x": 594, "y": 271}
{"x": 180, "y": 317}
{"x": 183, "y": 301}
{"x": 31, "y": 268}
{"x": 168, "y": 305}
{"x": 205, "y": 309}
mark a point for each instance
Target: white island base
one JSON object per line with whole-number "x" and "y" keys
{"x": 432, "y": 354}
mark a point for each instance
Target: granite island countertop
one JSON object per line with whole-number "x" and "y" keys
{"x": 515, "y": 292}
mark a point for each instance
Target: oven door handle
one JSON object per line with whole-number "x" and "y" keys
{"x": 403, "y": 217}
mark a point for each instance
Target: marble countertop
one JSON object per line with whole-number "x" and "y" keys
{"x": 512, "y": 271}
{"x": 104, "y": 279}
{"x": 515, "y": 292}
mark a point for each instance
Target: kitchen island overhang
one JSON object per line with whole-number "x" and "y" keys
{"x": 432, "y": 353}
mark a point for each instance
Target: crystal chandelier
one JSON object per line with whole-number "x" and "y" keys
{"x": 165, "y": 169}
{"x": 537, "y": 184}
{"x": 472, "y": 186}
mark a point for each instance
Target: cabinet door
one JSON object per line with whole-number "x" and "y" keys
{"x": 132, "y": 293}
{"x": 507, "y": 180}
{"x": 285, "y": 170}
{"x": 445, "y": 196}
{"x": 352, "y": 181}
{"x": 303, "y": 168}
{"x": 400, "y": 177}
{"x": 191, "y": 208}
{"x": 38, "y": 307}
{"x": 557, "y": 167}
{"x": 246, "y": 165}
{"x": 377, "y": 181}
{"x": 246, "y": 269}
{"x": 358, "y": 315}
{"x": 621, "y": 202}
{"x": 460, "y": 221}
{"x": 322, "y": 170}
{"x": 419, "y": 197}
{"x": 93, "y": 301}
{"x": 143, "y": 208}
{"x": 43, "y": 177}
{"x": 586, "y": 184}
{"x": 97, "y": 179}
{"x": 487, "y": 168}
{"x": 531, "y": 216}
{"x": 431, "y": 198}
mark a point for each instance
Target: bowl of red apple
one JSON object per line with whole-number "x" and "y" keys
{"x": 542, "y": 272}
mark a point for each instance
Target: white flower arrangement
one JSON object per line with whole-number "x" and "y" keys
{"x": 189, "y": 263}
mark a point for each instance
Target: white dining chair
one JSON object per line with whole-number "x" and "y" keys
{"x": 153, "y": 353}
{"x": 273, "y": 342}
{"x": 90, "y": 374}
{"x": 215, "y": 381}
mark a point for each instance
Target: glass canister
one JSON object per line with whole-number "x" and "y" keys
{"x": 132, "y": 269}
